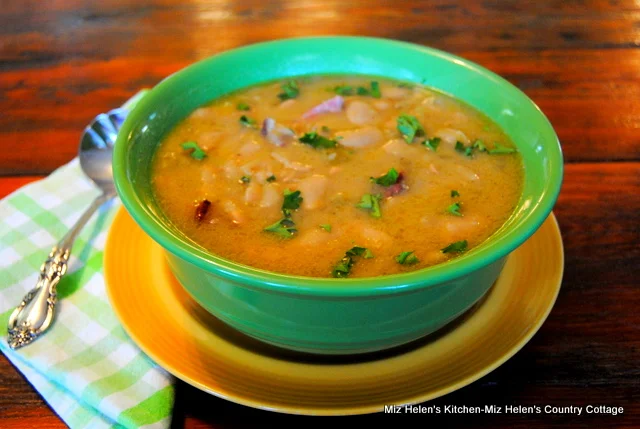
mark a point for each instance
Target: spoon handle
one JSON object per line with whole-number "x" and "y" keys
{"x": 35, "y": 313}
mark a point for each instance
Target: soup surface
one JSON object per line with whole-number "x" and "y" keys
{"x": 337, "y": 176}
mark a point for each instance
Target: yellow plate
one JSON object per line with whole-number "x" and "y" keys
{"x": 197, "y": 348}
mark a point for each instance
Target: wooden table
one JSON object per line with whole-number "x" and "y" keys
{"x": 63, "y": 62}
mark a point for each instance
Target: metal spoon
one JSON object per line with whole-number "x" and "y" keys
{"x": 36, "y": 311}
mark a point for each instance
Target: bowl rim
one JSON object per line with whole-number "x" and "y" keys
{"x": 260, "y": 279}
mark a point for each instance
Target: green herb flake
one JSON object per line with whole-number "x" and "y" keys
{"x": 243, "y": 106}
{"x": 455, "y": 193}
{"x": 245, "y": 179}
{"x": 407, "y": 258}
{"x": 195, "y": 151}
{"x": 375, "y": 90}
{"x": 388, "y": 179}
{"x": 432, "y": 143}
{"x": 409, "y": 127}
{"x": 285, "y": 228}
{"x": 347, "y": 90}
{"x": 315, "y": 140}
{"x": 457, "y": 247}
{"x": 454, "y": 209}
{"x": 325, "y": 129}
{"x": 271, "y": 178}
{"x": 499, "y": 149}
{"x": 326, "y": 227}
{"x": 248, "y": 122}
{"x": 344, "y": 90}
{"x": 406, "y": 85}
{"x": 479, "y": 145}
{"x": 343, "y": 268}
{"x": 290, "y": 90}
{"x": 292, "y": 201}
{"x": 467, "y": 150}
{"x": 371, "y": 203}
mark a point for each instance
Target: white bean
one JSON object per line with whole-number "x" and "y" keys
{"x": 249, "y": 148}
{"x": 313, "y": 189}
{"x": 237, "y": 216}
{"x": 271, "y": 196}
{"x": 399, "y": 148}
{"x": 396, "y": 93}
{"x": 466, "y": 172}
{"x": 361, "y": 137}
{"x": 451, "y": 136}
{"x": 360, "y": 113}
{"x": 253, "y": 193}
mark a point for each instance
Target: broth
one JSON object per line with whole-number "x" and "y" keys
{"x": 380, "y": 165}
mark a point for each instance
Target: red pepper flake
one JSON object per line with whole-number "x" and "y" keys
{"x": 201, "y": 209}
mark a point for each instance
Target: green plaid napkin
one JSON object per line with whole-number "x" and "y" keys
{"x": 85, "y": 366}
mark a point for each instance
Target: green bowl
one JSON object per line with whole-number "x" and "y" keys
{"x": 336, "y": 316}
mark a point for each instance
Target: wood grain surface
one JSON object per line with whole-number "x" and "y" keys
{"x": 64, "y": 61}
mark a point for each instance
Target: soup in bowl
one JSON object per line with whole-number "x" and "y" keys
{"x": 347, "y": 195}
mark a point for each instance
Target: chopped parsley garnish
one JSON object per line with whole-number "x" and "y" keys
{"x": 315, "y": 140}
{"x": 292, "y": 201}
{"x": 248, "y": 122}
{"x": 388, "y": 179}
{"x": 372, "y": 203}
{"x": 457, "y": 247}
{"x": 325, "y": 129}
{"x": 285, "y": 228}
{"x": 245, "y": 179}
{"x": 243, "y": 106}
{"x": 343, "y": 268}
{"x": 432, "y": 143}
{"x": 271, "y": 178}
{"x": 409, "y": 127}
{"x": 455, "y": 193}
{"x": 407, "y": 258}
{"x": 326, "y": 227}
{"x": 196, "y": 151}
{"x": 454, "y": 209}
{"x": 289, "y": 90}
{"x": 498, "y": 149}
{"x": 460, "y": 147}
{"x": 375, "y": 90}
{"x": 346, "y": 90}
{"x": 479, "y": 145}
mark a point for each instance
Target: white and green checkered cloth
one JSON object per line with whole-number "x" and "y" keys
{"x": 85, "y": 366}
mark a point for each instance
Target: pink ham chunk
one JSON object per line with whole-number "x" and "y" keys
{"x": 331, "y": 105}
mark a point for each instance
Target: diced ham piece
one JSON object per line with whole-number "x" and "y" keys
{"x": 276, "y": 134}
{"x": 331, "y": 105}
